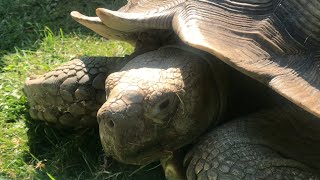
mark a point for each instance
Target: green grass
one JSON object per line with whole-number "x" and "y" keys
{"x": 37, "y": 36}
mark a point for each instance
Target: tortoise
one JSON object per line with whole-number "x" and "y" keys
{"x": 229, "y": 86}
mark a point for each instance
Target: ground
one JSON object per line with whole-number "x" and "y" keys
{"x": 37, "y": 36}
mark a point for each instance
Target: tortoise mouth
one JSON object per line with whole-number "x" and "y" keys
{"x": 144, "y": 153}
{"x": 136, "y": 154}
{"x": 143, "y": 156}
{"x": 132, "y": 149}
{"x": 137, "y": 151}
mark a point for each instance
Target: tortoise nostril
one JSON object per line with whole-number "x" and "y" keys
{"x": 110, "y": 123}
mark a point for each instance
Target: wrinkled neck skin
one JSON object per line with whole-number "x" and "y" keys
{"x": 159, "y": 102}
{"x": 220, "y": 76}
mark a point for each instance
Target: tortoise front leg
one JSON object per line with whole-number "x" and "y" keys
{"x": 173, "y": 166}
{"x": 264, "y": 145}
{"x": 71, "y": 94}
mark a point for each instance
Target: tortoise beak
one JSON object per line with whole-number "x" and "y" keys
{"x": 125, "y": 133}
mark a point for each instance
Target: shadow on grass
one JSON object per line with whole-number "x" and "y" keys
{"x": 77, "y": 154}
{"x": 59, "y": 153}
{"x": 23, "y": 21}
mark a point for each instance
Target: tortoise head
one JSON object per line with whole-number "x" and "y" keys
{"x": 159, "y": 102}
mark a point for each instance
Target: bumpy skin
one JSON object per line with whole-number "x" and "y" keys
{"x": 263, "y": 145}
{"x": 162, "y": 100}
{"x": 71, "y": 94}
{"x": 159, "y": 102}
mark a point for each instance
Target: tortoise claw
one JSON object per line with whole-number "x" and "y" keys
{"x": 95, "y": 24}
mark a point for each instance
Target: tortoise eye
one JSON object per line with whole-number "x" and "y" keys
{"x": 164, "y": 108}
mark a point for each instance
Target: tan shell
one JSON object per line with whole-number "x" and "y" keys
{"x": 273, "y": 41}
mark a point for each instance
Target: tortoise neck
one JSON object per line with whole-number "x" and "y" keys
{"x": 222, "y": 84}
{"x": 220, "y": 81}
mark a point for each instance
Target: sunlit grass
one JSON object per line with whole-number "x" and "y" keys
{"x": 34, "y": 43}
{"x": 16, "y": 159}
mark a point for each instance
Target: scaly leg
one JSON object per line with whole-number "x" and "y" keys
{"x": 72, "y": 94}
{"x": 264, "y": 145}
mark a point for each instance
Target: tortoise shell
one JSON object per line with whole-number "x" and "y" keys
{"x": 273, "y": 41}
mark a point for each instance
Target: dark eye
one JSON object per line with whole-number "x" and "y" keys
{"x": 164, "y": 104}
{"x": 164, "y": 108}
